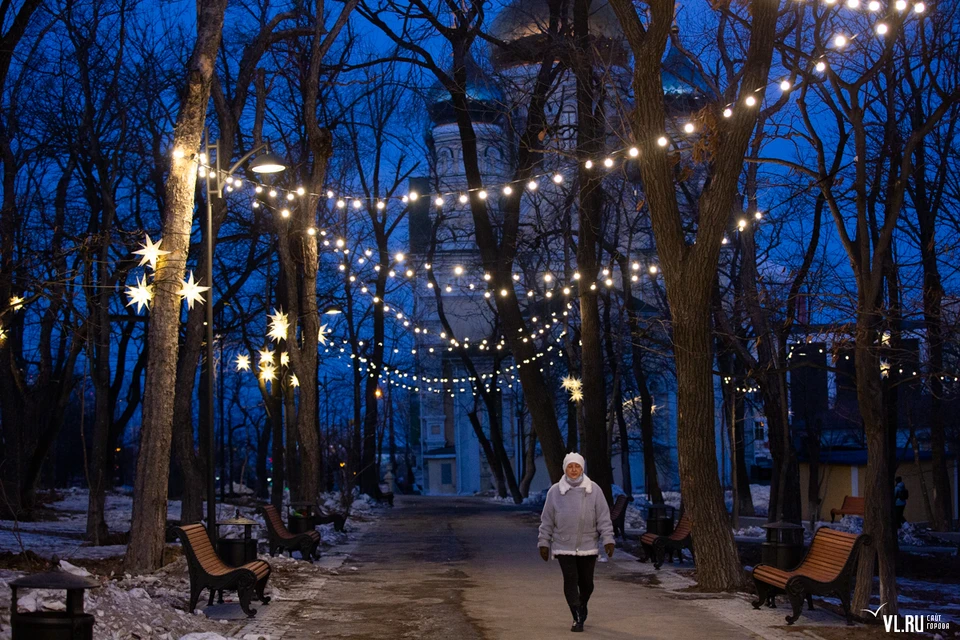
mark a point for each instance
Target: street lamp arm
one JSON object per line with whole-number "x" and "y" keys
{"x": 263, "y": 146}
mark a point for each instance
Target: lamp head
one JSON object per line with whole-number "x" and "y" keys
{"x": 267, "y": 163}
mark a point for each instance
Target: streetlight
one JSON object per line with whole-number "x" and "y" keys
{"x": 265, "y": 163}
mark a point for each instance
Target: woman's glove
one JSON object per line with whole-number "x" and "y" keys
{"x": 609, "y": 549}
{"x": 545, "y": 553}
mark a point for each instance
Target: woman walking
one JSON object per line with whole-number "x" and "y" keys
{"x": 574, "y": 517}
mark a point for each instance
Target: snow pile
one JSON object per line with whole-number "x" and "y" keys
{"x": 634, "y": 519}
{"x": 536, "y": 498}
{"x": 241, "y": 489}
{"x": 761, "y": 498}
{"x": 912, "y": 535}
{"x": 750, "y": 532}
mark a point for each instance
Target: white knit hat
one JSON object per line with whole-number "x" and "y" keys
{"x": 574, "y": 457}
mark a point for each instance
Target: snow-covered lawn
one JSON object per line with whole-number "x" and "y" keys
{"x": 148, "y": 606}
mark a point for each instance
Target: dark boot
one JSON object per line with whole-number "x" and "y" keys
{"x": 577, "y": 622}
{"x": 583, "y": 615}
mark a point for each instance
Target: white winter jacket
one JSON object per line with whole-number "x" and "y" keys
{"x": 574, "y": 519}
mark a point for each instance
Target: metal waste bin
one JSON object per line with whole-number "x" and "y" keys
{"x": 660, "y": 518}
{"x": 784, "y": 546}
{"x": 72, "y": 624}
{"x": 236, "y": 552}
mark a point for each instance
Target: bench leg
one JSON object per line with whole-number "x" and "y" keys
{"x": 195, "y": 592}
{"x": 658, "y": 552}
{"x": 809, "y": 602}
{"x": 844, "y": 595}
{"x": 796, "y": 602}
{"x": 245, "y": 592}
{"x": 213, "y": 594}
{"x": 260, "y": 587}
{"x": 762, "y": 593}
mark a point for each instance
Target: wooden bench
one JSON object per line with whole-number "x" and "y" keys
{"x": 852, "y": 506}
{"x": 618, "y": 515}
{"x": 827, "y": 569}
{"x": 657, "y": 547}
{"x": 207, "y": 571}
{"x": 282, "y": 540}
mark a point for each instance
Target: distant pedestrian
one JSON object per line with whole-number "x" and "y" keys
{"x": 900, "y": 495}
{"x": 574, "y": 518}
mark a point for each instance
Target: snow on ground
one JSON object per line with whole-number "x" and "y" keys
{"x": 149, "y": 606}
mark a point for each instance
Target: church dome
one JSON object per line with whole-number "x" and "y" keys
{"x": 524, "y": 25}
{"x": 484, "y": 98}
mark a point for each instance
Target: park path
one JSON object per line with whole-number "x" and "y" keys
{"x": 464, "y": 568}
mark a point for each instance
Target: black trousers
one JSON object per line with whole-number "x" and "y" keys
{"x": 577, "y": 578}
{"x": 898, "y": 518}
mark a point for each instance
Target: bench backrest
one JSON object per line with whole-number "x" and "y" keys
{"x": 829, "y": 554}
{"x": 197, "y": 545}
{"x": 853, "y": 504}
{"x": 274, "y": 521}
{"x": 683, "y": 528}
{"x": 619, "y": 505}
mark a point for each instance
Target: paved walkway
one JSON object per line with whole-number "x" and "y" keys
{"x": 468, "y": 568}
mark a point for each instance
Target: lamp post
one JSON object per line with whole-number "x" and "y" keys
{"x": 266, "y": 163}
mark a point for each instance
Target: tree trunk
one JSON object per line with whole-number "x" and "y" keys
{"x": 278, "y": 473}
{"x": 529, "y": 464}
{"x": 493, "y": 461}
{"x": 148, "y": 524}
{"x": 877, "y": 490}
{"x": 718, "y": 565}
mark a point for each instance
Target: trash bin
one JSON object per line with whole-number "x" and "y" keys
{"x": 784, "y": 546}
{"x": 72, "y": 624}
{"x": 236, "y": 552}
{"x": 660, "y": 518}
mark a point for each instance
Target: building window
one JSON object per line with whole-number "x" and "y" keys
{"x": 446, "y": 473}
{"x": 758, "y": 431}
{"x": 435, "y": 429}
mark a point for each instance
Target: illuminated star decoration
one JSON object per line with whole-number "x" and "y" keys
{"x": 278, "y": 326}
{"x": 266, "y": 358}
{"x": 150, "y": 252}
{"x": 293, "y": 380}
{"x": 190, "y": 291}
{"x": 3, "y": 334}
{"x": 575, "y": 387}
{"x": 884, "y": 369}
{"x": 267, "y": 372}
{"x": 322, "y": 337}
{"x": 284, "y": 358}
{"x": 243, "y": 362}
{"x": 16, "y": 302}
{"x": 141, "y": 294}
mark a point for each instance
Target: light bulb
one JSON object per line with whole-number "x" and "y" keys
{"x": 357, "y": 204}
{"x": 608, "y": 162}
{"x": 662, "y": 141}
{"x": 840, "y": 41}
{"x": 557, "y": 178}
{"x": 300, "y": 191}
{"x": 689, "y": 128}
{"x": 758, "y": 215}
{"x": 882, "y": 29}
{"x": 874, "y": 5}
{"x": 290, "y": 196}
{"x": 311, "y": 231}
{"x": 503, "y": 293}
{"x": 588, "y": 164}
{"x": 507, "y": 190}
{"x": 727, "y": 112}
{"x": 482, "y": 194}
{"x": 414, "y": 196}
{"x": 399, "y": 257}
{"x": 633, "y": 152}
{"x": 329, "y": 193}
{"x": 919, "y": 7}
{"x": 853, "y": 4}
{"x": 458, "y": 270}
{"x": 438, "y": 201}
{"x": 284, "y": 213}
{"x": 178, "y": 153}
{"x": 901, "y": 5}
{"x": 258, "y": 189}
{"x": 341, "y": 204}
{"x": 532, "y": 185}
{"x": 821, "y": 66}
{"x": 463, "y": 198}
{"x": 653, "y": 268}
{"x": 381, "y": 205}
{"x": 273, "y": 193}
{"x": 785, "y": 85}
{"x": 750, "y": 101}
